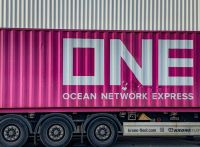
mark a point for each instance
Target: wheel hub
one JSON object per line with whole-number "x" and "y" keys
{"x": 102, "y": 132}
{"x": 56, "y": 132}
{"x": 11, "y": 133}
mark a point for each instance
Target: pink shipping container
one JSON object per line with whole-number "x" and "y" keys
{"x": 98, "y": 69}
{"x": 76, "y": 71}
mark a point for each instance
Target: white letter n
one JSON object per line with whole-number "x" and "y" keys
{"x": 118, "y": 51}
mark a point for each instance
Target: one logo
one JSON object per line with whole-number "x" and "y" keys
{"x": 118, "y": 51}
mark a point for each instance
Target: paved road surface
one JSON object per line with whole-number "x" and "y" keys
{"x": 142, "y": 142}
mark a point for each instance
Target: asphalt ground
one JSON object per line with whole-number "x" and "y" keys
{"x": 138, "y": 142}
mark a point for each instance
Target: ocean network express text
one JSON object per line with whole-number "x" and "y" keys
{"x": 125, "y": 96}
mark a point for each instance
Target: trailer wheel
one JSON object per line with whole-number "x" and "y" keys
{"x": 102, "y": 132}
{"x": 55, "y": 132}
{"x": 13, "y": 133}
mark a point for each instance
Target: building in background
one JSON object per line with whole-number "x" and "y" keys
{"x": 101, "y": 14}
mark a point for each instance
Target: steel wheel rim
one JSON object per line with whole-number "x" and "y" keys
{"x": 56, "y": 132}
{"x": 102, "y": 132}
{"x": 11, "y": 133}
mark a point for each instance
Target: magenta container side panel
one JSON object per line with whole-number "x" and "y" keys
{"x": 32, "y": 69}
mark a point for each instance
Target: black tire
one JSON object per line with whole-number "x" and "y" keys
{"x": 109, "y": 128}
{"x": 18, "y": 133}
{"x": 61, "y": 126}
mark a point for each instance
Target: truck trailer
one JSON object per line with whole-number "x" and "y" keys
{"x": 99, "y": 69}
{"x": 102, "y": 82}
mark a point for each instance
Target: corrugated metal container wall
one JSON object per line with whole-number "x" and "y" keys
{"x": 35, "y": 69}
{"x": 101, "y": 14}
